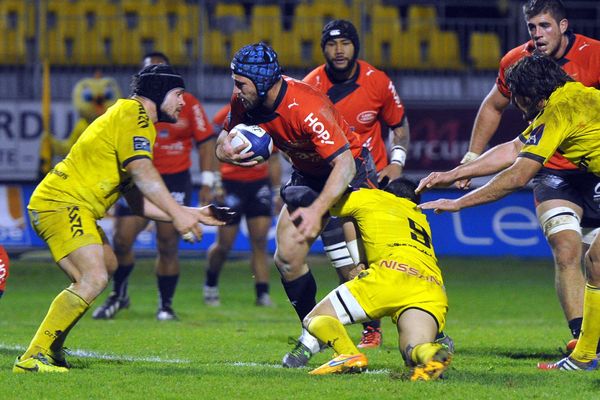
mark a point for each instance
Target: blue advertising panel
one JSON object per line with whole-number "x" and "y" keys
{"x": 507, "y": 227}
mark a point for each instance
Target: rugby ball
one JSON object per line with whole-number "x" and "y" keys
{"x": 256, "y": 139}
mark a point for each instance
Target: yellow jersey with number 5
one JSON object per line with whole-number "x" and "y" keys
{"x": 93, "y": 174}
{"x": 394, "y": 232}
{"x": 570, "y": 124}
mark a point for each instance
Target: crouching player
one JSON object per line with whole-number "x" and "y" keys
{"x": 402, "y": 281}
{"x": 3, "y": 269}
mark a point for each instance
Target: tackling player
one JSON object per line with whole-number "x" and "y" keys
{"x": 368, "y": 101}
{"x": 555, "y": 104}
{"x": 172, "y": 151}
{"x": 561, "y": 211}
{"x": 254, "y": 193}
{"x": 112, "y": 157}
{"x": 326, "y": 157}
{"x": 4, "y": 267}
{"x": 404, "y": 274}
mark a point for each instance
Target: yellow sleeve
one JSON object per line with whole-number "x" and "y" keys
{"x": 135, "y": 134}
{"x": 544, "y": 135}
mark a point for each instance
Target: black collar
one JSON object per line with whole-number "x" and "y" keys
{"x": 571, "y": 41}
{"x": 352, "y": 79}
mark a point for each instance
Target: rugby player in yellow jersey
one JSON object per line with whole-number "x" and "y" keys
{"x": 402, "y": 281}
{"x": 565, "y": 118}
{"x": 112, "y": 157}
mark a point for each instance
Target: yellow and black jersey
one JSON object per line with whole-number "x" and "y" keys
{"x": 570, "y": 124}
{"x": 395, "y": 233}
{"x": 93, "y": 173}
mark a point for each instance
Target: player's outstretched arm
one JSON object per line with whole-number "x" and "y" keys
{"x": 149, "y": 182}
{"x": 513, "y": 178}
{"x": 492, "y": 161}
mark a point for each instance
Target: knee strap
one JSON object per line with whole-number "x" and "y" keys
{"x": 559, "y": 219}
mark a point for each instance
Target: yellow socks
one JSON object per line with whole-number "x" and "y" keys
{"x": 424, "y": 352}
{"x": 64, "y": 312}
{"x": 585, "y": 350}
{"x": 331, "y": 331}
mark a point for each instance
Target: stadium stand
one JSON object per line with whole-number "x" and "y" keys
{"x": 446, "y": 37}
{"x": 16, "y": 26}
{"x": 484, "y": 50}
{"x": 385, "y": 29}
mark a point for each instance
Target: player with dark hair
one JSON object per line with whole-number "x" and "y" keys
{"x": 253, "y": 193}
{"x": 368, "y": 101}
{"x": 402, "y": 272}
{"x": 172, "y": 151}
{"x": 556, "y": 188}
{"x": 326, "y": 157}
{"x": 113, "y": 157}
{"x": 566, "y": 120}
{"x": 4, "y": 267}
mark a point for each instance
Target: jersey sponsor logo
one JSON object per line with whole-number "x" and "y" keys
{"x": 366, "y": 117}
{"x": 396, "y": 266}
{"x": 141, "y": 143}
{"x": 59, "y": 173}
{"x": 75, "y": 222}
{"x": 293, "y": 104}
{"x": 536, "y": 135}
{"x": 583, "y": 46}
{"x": 318, "y": 128}
{"x": 199, "y": 117}
{"x": 163, "y": 133}
{"x": 3, "y": 271}
{"x": 392, "y": 89}
{"x": 143, "y": 119}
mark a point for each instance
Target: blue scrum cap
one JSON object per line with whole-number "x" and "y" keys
{"x": 257, "y": 62}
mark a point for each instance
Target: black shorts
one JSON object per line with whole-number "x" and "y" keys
{"x": 581, "y": 188}
{"x": 301, "y": 190}
{"x": 252, "y": 199}
{"x": 179, "y": 184}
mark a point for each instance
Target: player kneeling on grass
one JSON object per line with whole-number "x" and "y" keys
{"x": 402, "y": 281}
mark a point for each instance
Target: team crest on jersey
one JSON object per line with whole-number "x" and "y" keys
{"x": 536, "y": 135}
{"x": 141, "y": 143}
{"x": 163, "y": 133}
{"x": 366, "y": 117}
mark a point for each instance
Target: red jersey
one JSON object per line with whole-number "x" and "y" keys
{"x": 174, "y": 141}
{"x": 4, "y": 265}
{"x": 304, "y": 125}
{"x": 235, "y": 172}
{"x": 365, "y": 101}
{"x": 581, "y": 61}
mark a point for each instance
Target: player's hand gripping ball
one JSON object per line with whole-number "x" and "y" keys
{"x": 256, "y": 140}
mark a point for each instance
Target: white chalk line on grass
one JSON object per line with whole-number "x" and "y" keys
{"x": 155, "y": 359}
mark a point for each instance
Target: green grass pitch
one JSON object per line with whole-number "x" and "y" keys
{"x": 504, "y": 317}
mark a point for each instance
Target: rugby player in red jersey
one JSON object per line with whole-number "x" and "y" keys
{"x": 564, "y": 197}
{"x": 4, "y": 266}
{"x": 368, "y": 101}
{"x": 327, "y": 160}
{"x": 172, "y": 151}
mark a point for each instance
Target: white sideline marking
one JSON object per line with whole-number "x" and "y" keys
{"x": 113, "y": 357}
{"x": 104, "y": 356}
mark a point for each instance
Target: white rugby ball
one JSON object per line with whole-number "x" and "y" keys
{"x": 256, "y": 139}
